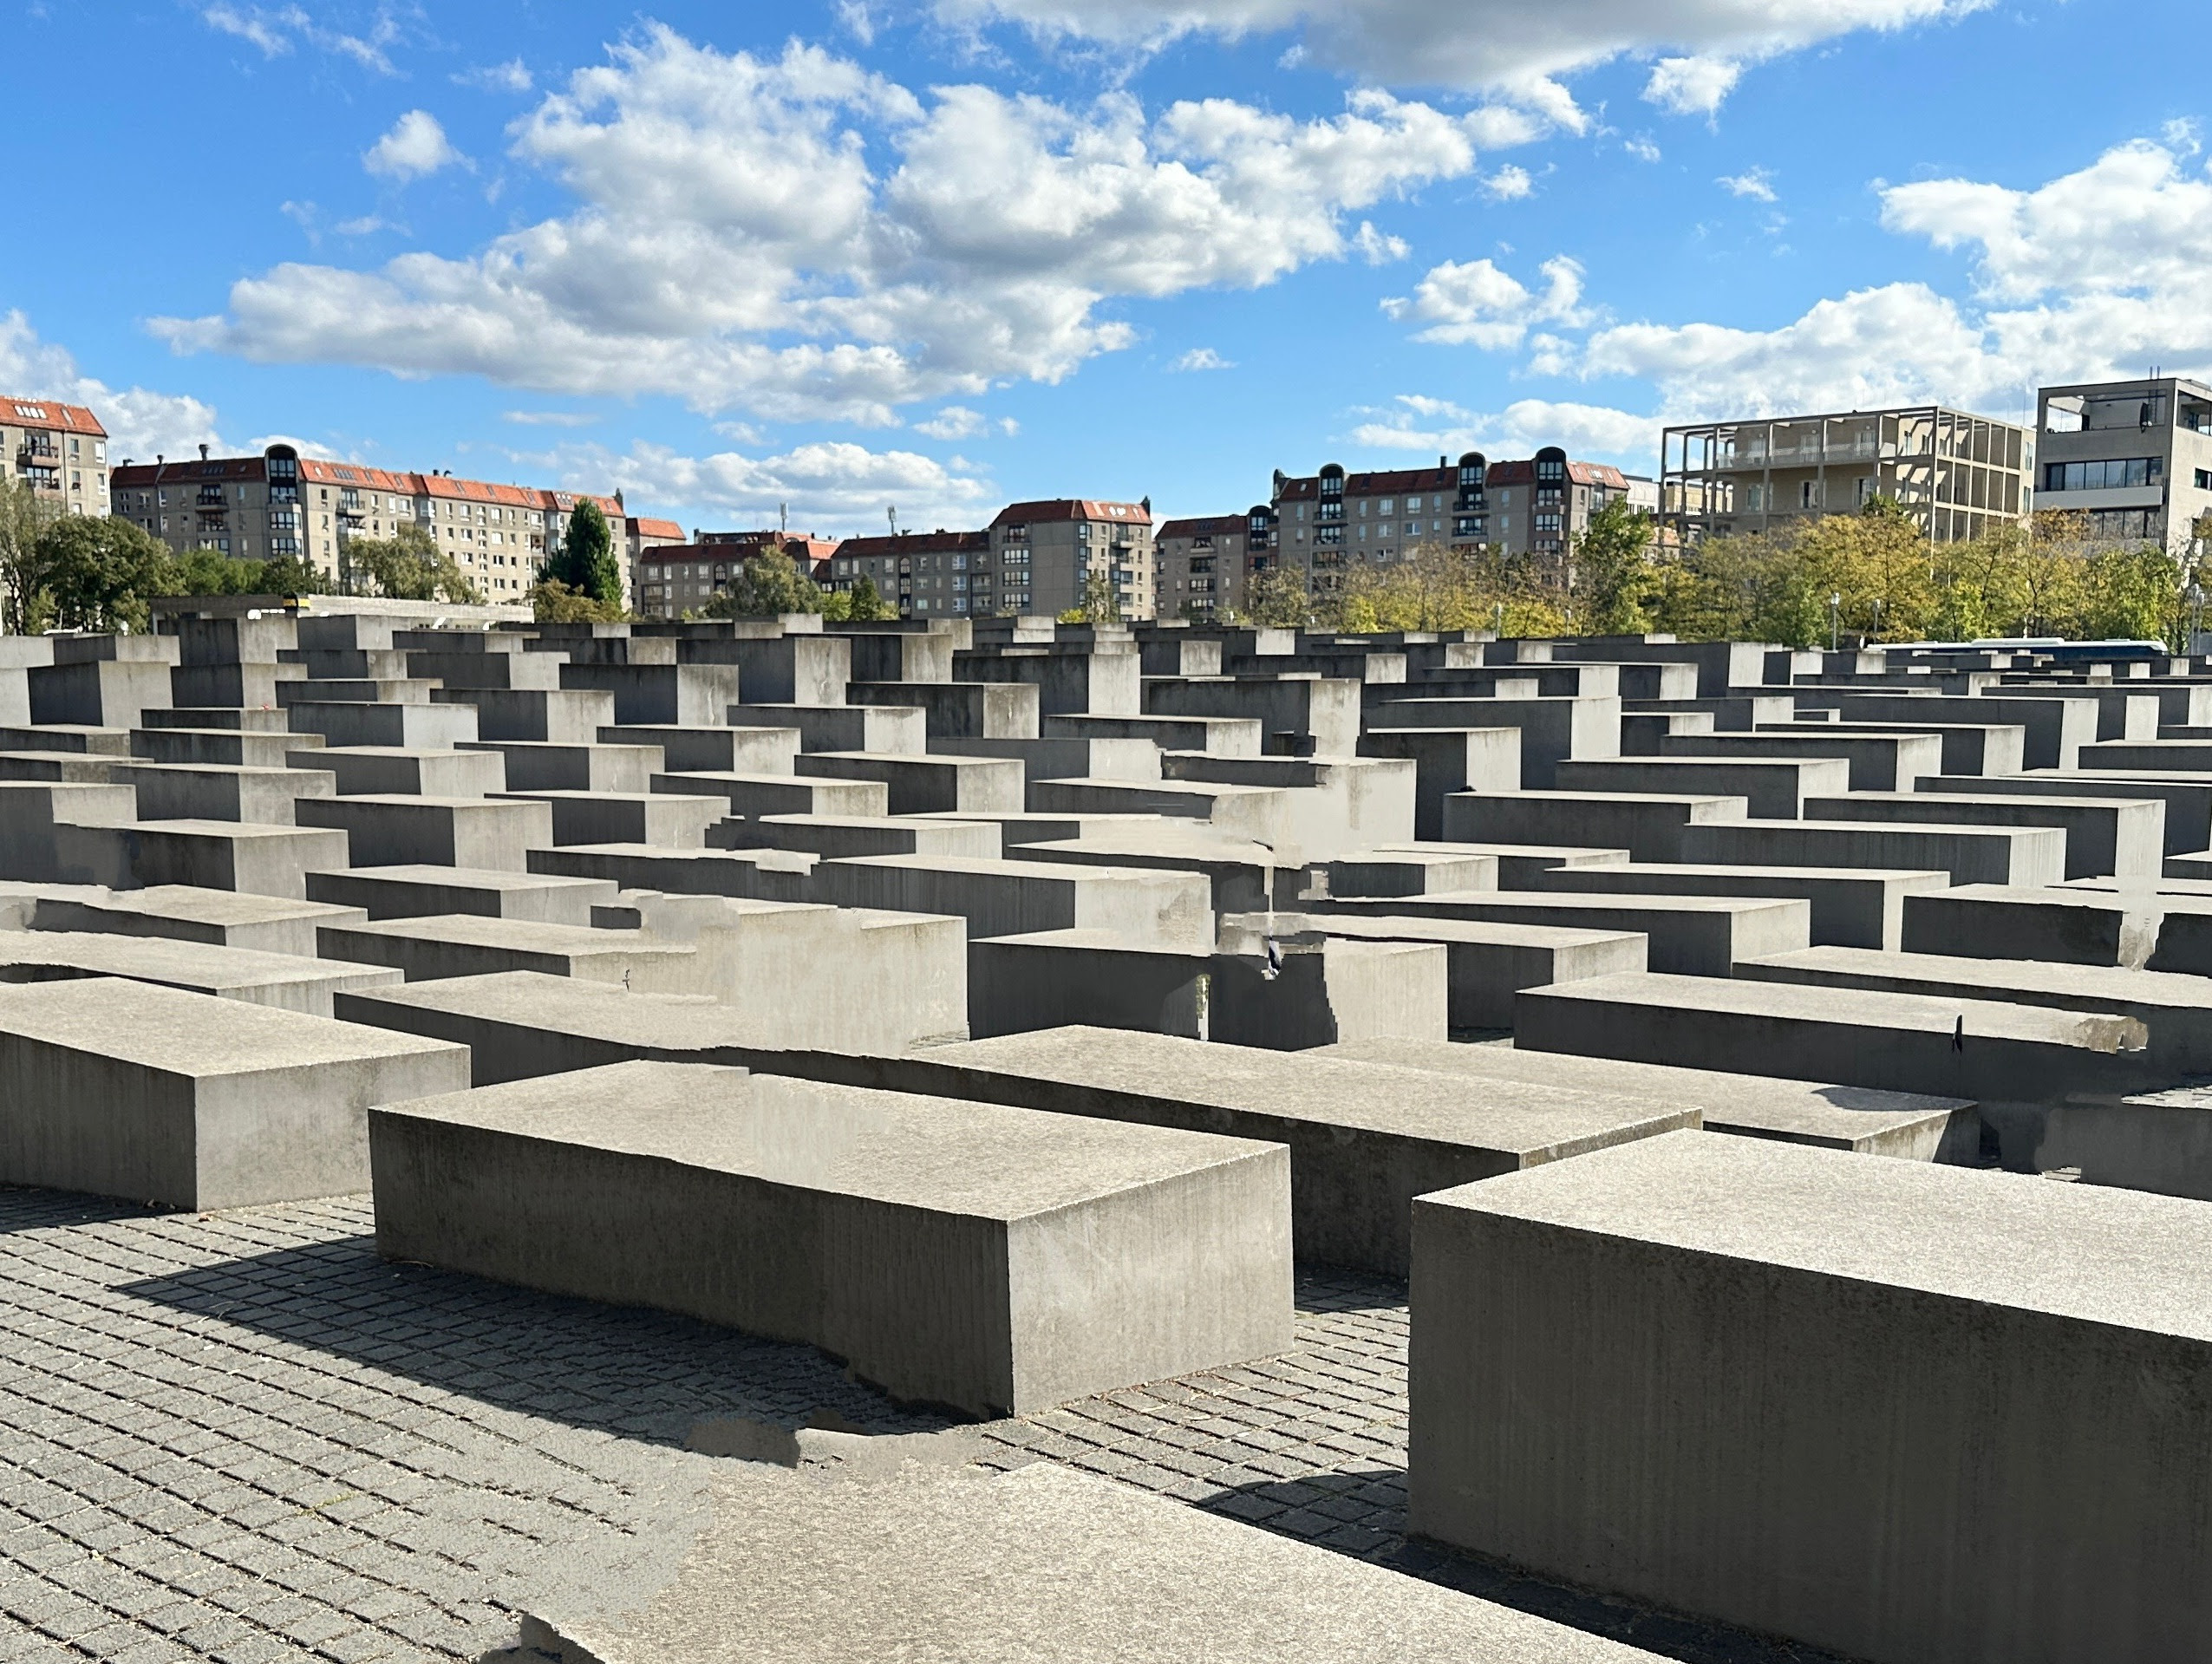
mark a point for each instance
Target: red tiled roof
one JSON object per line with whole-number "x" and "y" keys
{"x": 317, "y": 470}
{"x": 914, "y": 542}
{"x": 1074, "y": 508}
{"x": 49, "y": 414}
{"x": 641, "y": 527}
{"x": 1212, "y": 526}
{"x": 1582, "y": 473}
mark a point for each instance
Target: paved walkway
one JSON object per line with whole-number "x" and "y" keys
{"x": 242, "y": 1436}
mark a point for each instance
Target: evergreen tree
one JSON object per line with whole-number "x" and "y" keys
{"x": 586, "y": 561}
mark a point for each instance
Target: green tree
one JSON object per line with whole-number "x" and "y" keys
{"x": 552, "y": 601}
{"x": 1277, "y": 598}
{"x": 586, "y": 561}
{"x": 1099, "y": 605}
{"x": 1612, "y": 570}
{"x": 868, "y": 603}
{"x": 100, "y": 573}
{"x": 410, "y": 567}
{"x": 837, "y": 606}
{"x": 23, "y": 515}
{"x": 2133, "y": 594}
{"x": 767, "y": 586}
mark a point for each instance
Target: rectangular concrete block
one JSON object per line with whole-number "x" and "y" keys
{"x": 409, "y": 831}
{"x": 426, "y": 891}
{"x": 221, "y": 791}
{"x": 403, "y": 771}
{"x": 227, "y": 919}
{"x": 1871, "y": 1407}
{"x": 1694, "y": 935}
{"x": 992, "y": 1259}
{"x": 2105, "y": 837}
{"x": 282, "y": 982}
{"x": 1651, "y": 827}
{"x": 2007, "y": 855}
{"x": 125, "y": 1089}
{"x": 1851, "y": 907}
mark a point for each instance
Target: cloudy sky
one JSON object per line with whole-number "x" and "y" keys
{"x": 937, "y": 254}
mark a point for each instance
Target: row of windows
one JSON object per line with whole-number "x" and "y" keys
{"x": 2107, "y": 475}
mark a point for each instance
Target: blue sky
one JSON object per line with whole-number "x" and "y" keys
{"x": 945, "y": 253}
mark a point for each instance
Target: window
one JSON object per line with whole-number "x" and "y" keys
{"x": 1385, "y": 509}
{"x": 2109, "y": 475}
{"x": 1546, "y": 523}
{"x": 1412, "y": 504}
{"x": 2204, "y": 478}
{"x": 1468, "y": 526}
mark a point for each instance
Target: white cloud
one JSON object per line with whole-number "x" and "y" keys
{"x": 1202, "y": 358}
{"x": 954, "y": 421}
{"x": 1478, "y": 304}
{"x": 512, "y": 76}
{"x": 734, "y": 243}
{"x": 365, "y": 225}
{"x": 1442, "y": 429}
{"x": 1693, "y": 86}
{"x": 1755, "y": 183}
{"x": 1377, "y": 248}
{"x": 831, "y": 488}
{"x": 853, "y": 18}
{"x": 1509, "y": 184}
{"x": 140, "y": 423}
{"x": 274, "y": 31}
{"x": 549, "y": 418}
{"x": 1504, "y": 46}
{"x": 415, "y": 146}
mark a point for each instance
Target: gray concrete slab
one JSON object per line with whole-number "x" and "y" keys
{"x": 1041, "y": 1564}
{"x": 426, "y": 891}
{"x": 2189, "y": 803}
{"x": 401, "y": 771}
{"x": 123, "y": 1088}
{"x": 282, "y": 982}
{"x": 1009, "y": 898}
{"x": 405, "y": 831}
{"x": 1695, "y": 936}
{"x": 230, "y": 918}
{"x": 757, "y": 795}
{"x": 989, "y": 1258}
{"x": 1852, "y": 907}
{"x": 1774, "y": 788}
{"x": 2008, "y": 855}
{"x": 2104, "y": 836}
{"x": 1877, "y": 762}
{"x": 1651, "y": 827}
{"x": 735, "y": 749}
{"x": 584, "y": 766}
{"x": 221, "y": 791}
{"x": 1993, "y": 1053}
{"x": 840, "y": 835}
{"x": 936, "y": 784}
{"x": 1861, "y": 1120}
{"x": 1760, "y": 1383}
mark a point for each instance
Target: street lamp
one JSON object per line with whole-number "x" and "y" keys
{"x": 2194, "y": 596}
{"x": 1835, "y": 622}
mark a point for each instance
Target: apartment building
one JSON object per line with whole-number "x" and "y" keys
{"x": 677, "y": 578}
{"x": 1332, "y": 522}
{"x": 2133, "y": 459}
{"x": 281, "y": 503}
{"x": 59, "y": 450}
{"x": 1957, "y": 473}
{"x": 925, "y": 574}
{"x": 1204, "y": 566}
{"x": 640, "y": 533}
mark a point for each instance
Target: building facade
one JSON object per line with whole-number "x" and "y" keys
{"x": 280, "y": 504}
{"x": 1959, "y": 475}
{"x": 677, "y": 577}
{"x": 1203, "y": 568}
{"x": 59, "y": 450}
{"x": 924, "y": 574}
{"x": 1333, "y": 523}
{"x": 2133, "y": 459}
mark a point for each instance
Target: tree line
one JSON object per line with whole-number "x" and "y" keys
{"x": 1873, "y": 575}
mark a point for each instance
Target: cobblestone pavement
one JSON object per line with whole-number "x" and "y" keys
{"x": 242, "y": 1436}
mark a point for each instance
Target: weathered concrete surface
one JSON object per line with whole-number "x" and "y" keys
{"x": 1650, "y": 827}
{"x": 1990, "y": 1052}
{"x": 229, "y": 918}
{"x": 423, "y": 891}
{"x": 1872, "y": 1405}
{"x": 1038, "y": 1564}
{"x": 1852, "y": 907}
{"x": 283, "y": 981}
{"x": 2015, "y": 855}
{"x": 2104, "y": 836}
{"x": 1861, "y": 1120}
{"x": 992, "y": 1259}
{"x": 1694, "y": 935}
{"x": 125, "y": 1089}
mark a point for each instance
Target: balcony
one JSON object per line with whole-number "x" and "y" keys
{"x": 32, "y": 450}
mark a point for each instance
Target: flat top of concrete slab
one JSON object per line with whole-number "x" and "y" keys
{"x": 944, "y": 1154}
{"x": 220, "y": 907}
{"x": 2072, "y": 894}
{"x": 1849, "y": 1113}
{"x": 1577, "y": 901}
{"x": 564, "y": 1005}
{"x": 535, "y": 935}
{"x": 2101, "y": 1255}
{"x": 1863, "y": 1007}
{"x": 784, "y": 1567}
{"x": 185, "y": 964}
{"x": 993, "y": 866}
{"x": 1563, "y": 856}
{"x": 468, "y": 878}
{"x": 170, "y": 1032}
{"x": 1502, "y": 933}
{"x": 1923, "y": 877}
{"x": 2114, "y": 982}
{"x": 237, "y": 831}
{"x": 1525, "y": 1117}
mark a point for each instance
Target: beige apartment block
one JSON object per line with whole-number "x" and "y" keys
{"x": 1333, "y": 523}
{"x": 676, "y": 577}
{"x": 1035, "y": 556}
{"x": 59, "y": 450}
{"x": 1202, "y": 567}
{"x": 281, "y": 504}
{"x": 1959, "y": 475}
{"x": 2133, "y": 459}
